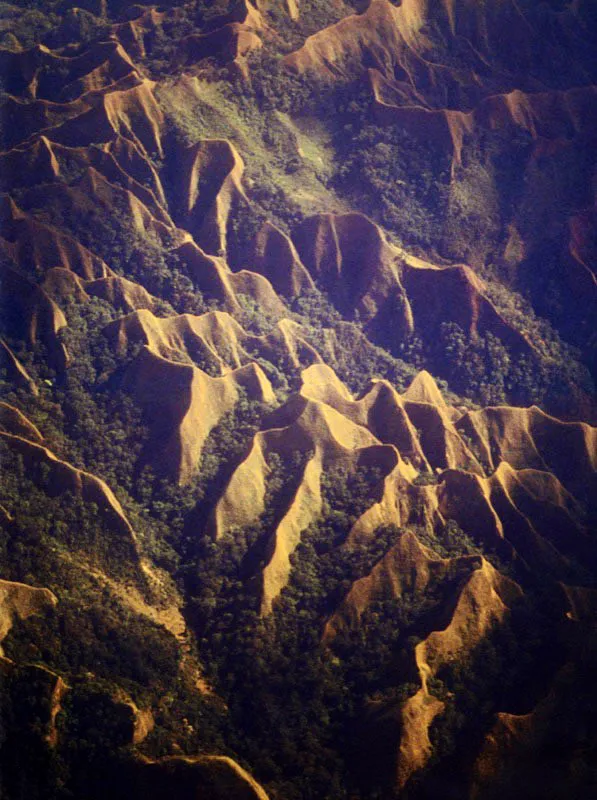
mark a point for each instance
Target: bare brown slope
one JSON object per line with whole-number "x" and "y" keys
{"x": 131, "y": 580}
{"x": 323, "y": 437}
{"x": 213, "y": 278}
{"x": 137, "y": 30}
{"x": 440, "y": 441}
{"x": 62, "y": 477}
{"x": 32, "y": 315}
{"x": 537, "y": 749}
{"x": 127, "y": 107}
{"x": 28, "y": 163}
{"x": 484, "y": 600}
{"x": 122, "y": 294}
{"x": 44, "y": 246}
{"x": 39, "y": 246}
{"x": 349, "y": 257}
{"x": 381, "y": 410}
{"x": 229, "y": 35}
{"x": 527, "y": 437}
{"x": 555, "y": 115}
{"x": 276, "y": 258}
{"x": 135, "y": 163}
{"x": 518, "y": 512}
{"x": 29, "y": 117}
{"x": 423, "y": 389}
{"x": 406, "y": 569}
{"x": 189, "y": 777}
{"x": 15, "y": 371}
{"x": 208, "y": 183}
{"x": 407, "y": 45}
{"x": 523, "y": 512}
{"x": 183, "y": 404}
{"x": 119, "y": 174}
{"x": 447, "y": 77}
{"x": 227, "y": 38}
{"x": 300, "y": 425}
{"x": 214, "y": 340}
{"x": 63, "y": 286}
{"x": 18, "y": 601}
{"x": 30, "y": 72}
{"x": 132, "y": 112}
{"x": 396, "y": 419}
{"x": 558, "y": 126}
{"x": 93, "y": 194}
{"x": 583, "y": 243}
{"x": 229, "y": 43}
{"x": 116, "y": 169}
{"x": 455, "y": 294}
{"x": 350, "y": 41}
{"x": 395, "y": 294}
{"x": 329, "y": 427}
{"x": 14, "y": 421}
{"x": 481, "y": 601}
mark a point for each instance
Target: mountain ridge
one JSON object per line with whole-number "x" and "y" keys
{"x": 298, "y": 428}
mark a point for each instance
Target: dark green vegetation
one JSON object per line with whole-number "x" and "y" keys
{"x": 307, "y": 719}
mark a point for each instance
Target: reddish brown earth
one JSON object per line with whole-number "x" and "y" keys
{"x": 116, "y": 225}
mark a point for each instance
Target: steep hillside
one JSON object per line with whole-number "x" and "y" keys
{"x": 297, "y": 428}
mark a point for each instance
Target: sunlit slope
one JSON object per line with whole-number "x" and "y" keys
{"x": 297, "y": 427}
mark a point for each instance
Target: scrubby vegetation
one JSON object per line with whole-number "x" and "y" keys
{"x": 311, "y": 714}
{"x": 392, "y": 176}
